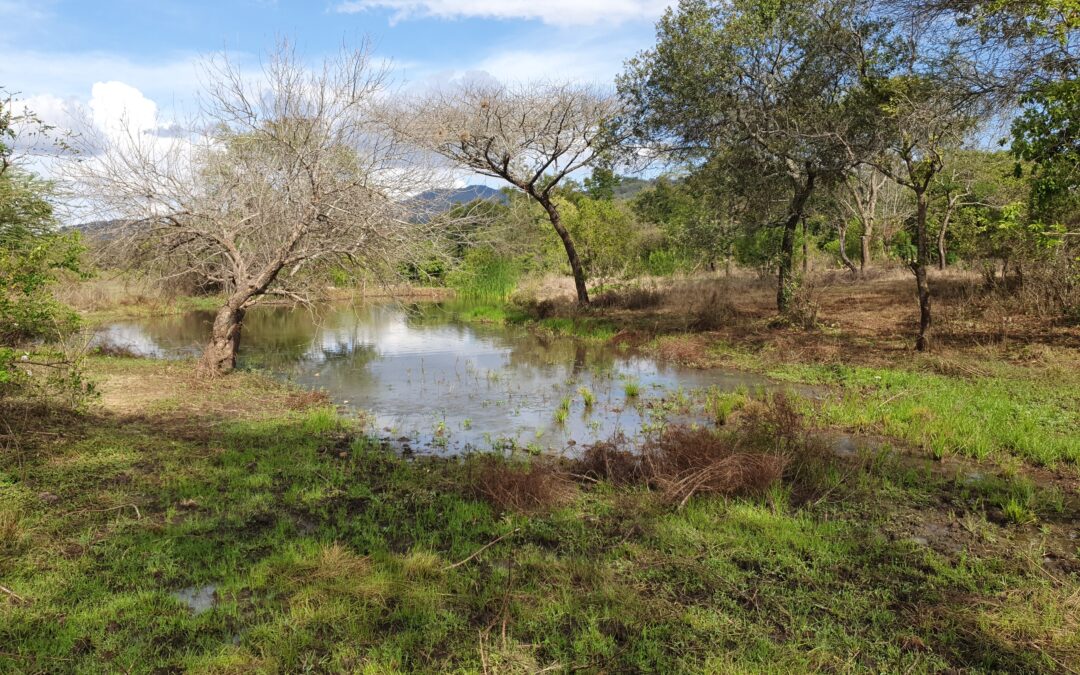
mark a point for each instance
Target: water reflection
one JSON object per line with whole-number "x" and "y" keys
{"x": 438, "y": 385}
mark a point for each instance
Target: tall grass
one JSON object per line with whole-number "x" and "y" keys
{"x": 485, "y": 276}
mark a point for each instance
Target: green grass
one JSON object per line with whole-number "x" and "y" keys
{"x": 331, "y": 554}
{"x": 587, "y": 396}
{"x": 1027, "y": 416}
{"x": 589, "y": 328}
{"x": 992, "y": 409}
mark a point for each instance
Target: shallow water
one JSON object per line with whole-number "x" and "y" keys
{"x": 198, "y": 599}
{"x": 436, "y": 385}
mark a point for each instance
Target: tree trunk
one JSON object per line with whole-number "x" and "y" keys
{"x": 571, "y": 252}
{"x": 219, "y": 358}
{"x": 922, "y": 256}
{"x": 805, "y": 249}
{"x": 864, "y": 249}
{"x": 787, "y": 244}
{"x": 841, "y": 231}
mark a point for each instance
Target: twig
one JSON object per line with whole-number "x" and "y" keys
{"x": 481, "y": 550}
{"x": 114, "y": 508}
{"x": 12, "y": 593}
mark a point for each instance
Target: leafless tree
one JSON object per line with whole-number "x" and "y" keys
{"x": 861, "y": 192}
{"x": 279, "y": 176}
{"x": 530, "y": 136}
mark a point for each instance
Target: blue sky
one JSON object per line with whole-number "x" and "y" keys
{"x": 56, "y": 51}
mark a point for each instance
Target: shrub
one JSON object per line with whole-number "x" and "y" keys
{"x": 634, "y": 297}
{"x": 538, "y": 485}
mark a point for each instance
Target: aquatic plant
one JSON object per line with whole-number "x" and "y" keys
{"x": 587, "y": 396}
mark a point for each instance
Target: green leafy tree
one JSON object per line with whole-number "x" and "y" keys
{"x": 32, "y": 253}
{"x": 1047, "y": 135}
{"x": 766, "y": 78}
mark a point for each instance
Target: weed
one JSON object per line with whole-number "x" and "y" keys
{"x": 587, "y": 397}
{"x": 720, "y": 404}
{"x": 563, "y": 411}
{"x": 632, "y": 389}
{"x": 1016, "y": 511}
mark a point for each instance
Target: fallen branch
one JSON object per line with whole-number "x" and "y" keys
{"x": 113, "y": 508}
{"x": 12, "y": 593}
{"x": 481, "y": 549}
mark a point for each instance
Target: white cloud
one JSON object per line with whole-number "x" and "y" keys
{"x": 118, "y": 109}
{"x": 555, "y": 12}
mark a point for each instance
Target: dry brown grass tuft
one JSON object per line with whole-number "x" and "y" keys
{"x": 683, "y": 462}
{"x": 691, "y": 350}
{"x": 336, "y": 562}
{"x": 539, "y": 485}
{"x": 632, "y": 298}
{"x": 606, "y": 461}
{"x": 770, "y": 442}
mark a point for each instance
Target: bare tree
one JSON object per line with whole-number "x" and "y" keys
{"x": 862, "y": 190}
{"x": 530, "y": 136}
{"x": 281, "y": 175}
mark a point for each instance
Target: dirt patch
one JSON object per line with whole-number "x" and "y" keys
{"x": 865, "y": 321}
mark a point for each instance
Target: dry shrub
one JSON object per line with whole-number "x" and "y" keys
{"x": 115, "y": 351}
{"x": 775, "y": 425}
{"x": 539, "y": 485}
{"x": 803, "y": 307}
{"x": 632, "y": 298}
{"x": 771, "y": 441}
{"x": 688, "y": 350}
{"x": 683, "y": 462}
{"x": 605, "y": 461}
{"x": 302, "y": 400}
{"x": 713, "y": 311}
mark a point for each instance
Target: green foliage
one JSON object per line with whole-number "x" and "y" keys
{"x": 606, "y": 233}
{"x": 32, "y": 253}
{"x": 1047, "y": 134}
{"x": 601, "y": 185}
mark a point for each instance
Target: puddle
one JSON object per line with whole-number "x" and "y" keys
{"x": 198, "y": 599}
{"x": 433, "y": 385}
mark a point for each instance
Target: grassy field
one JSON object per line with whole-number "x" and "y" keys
{"x": 316, "y": 550}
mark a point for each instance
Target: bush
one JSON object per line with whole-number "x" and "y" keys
{"x": 541, "y": 484}
{"x": 32, "y": 254}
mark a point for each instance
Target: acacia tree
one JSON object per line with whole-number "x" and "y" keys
{"x": 918, "y": 114}
{"x": 530, "y": 136}
{"x": 772, "y": 78}
{"x": 283, "y": 175}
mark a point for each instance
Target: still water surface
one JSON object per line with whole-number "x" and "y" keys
{"x": 436, "y": 385}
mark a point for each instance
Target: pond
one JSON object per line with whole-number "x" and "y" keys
{"x": 432, "y": 384}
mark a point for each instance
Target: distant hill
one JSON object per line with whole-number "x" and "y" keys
{"x": 629, "y": 186}
{"x": 98, "y": 229}
{"x": 451, "y": 196}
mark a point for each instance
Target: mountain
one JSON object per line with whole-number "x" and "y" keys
{"x": 448, "y": 197}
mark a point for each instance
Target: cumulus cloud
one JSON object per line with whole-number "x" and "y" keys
{"x": 555, "y": 12}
